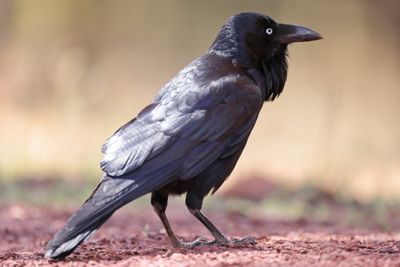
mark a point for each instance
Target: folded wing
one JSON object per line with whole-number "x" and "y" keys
{"x": 184, "y": 131}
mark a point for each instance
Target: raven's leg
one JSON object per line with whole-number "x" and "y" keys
{"x": 159, "y": 203}
{"x": 194, "y": 204}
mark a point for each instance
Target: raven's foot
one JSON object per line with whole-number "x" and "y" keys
{"x": 201, "y": 241}
{"x": 234, "y": 242}
{"x": 244, "y": 241}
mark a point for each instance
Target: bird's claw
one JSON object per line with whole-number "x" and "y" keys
{"x": 231, "y": 243}
{"x": 201, "y": 241}
{"x": 234, "y": 242}
{"x": 244, "y": 241}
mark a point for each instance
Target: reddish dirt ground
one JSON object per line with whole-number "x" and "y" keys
{"x": 136, "y": 238}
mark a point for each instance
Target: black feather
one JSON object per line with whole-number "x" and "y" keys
{"x": 190, "y": 138}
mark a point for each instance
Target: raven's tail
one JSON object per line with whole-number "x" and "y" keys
{"x": 110, "y": 194}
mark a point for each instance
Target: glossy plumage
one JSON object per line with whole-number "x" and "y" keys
{"x": 190, "y": 138}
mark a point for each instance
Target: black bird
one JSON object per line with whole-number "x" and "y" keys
{"x": 190, "y": 138}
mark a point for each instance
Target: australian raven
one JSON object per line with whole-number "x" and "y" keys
{"x": 190, "y": 138}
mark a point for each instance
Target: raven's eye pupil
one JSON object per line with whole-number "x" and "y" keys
{"x": 269, "y": 31}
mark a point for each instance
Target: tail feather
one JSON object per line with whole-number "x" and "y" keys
{"x": 110, "y": 195}
{"x": 66, "y": 248}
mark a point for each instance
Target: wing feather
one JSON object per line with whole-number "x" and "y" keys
{"x": 185, "y": 131}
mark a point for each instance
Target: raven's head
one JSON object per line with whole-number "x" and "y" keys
{"x": 255, "y": 41}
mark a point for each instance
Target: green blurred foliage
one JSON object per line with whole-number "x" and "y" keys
{"x": 305, "y": 204}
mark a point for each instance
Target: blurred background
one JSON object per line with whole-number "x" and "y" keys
{"x": 72, "y": 72}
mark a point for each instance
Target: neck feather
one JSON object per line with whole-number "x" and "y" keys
{"x": 274, "y": 71}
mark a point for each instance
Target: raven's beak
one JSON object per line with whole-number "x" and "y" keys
{"x": 291, "y": 33}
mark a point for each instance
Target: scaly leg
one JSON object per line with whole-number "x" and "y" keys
{"x": 194, "y": 204}
{"x": 159, "y": 203}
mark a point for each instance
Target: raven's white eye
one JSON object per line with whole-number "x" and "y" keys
{"x": 269, "y": 31}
